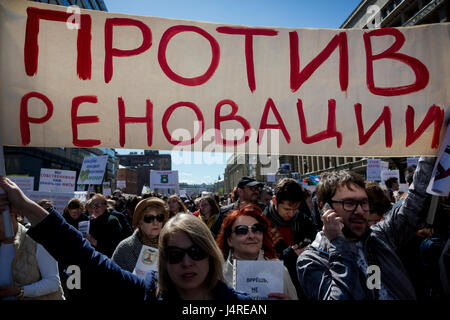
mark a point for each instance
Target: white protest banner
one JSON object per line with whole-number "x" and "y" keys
{"x": 145, "y": 189}
{"x": 147, "y": 261}
{"x": 412, "y": 162}
{"x": 84, "y": 226}
{"x": 164, "y": 179}
{"x": 373, "y": 170}
{"x": 386, "y": 174}
{"x": 258, "y": 278}
{"x": 271, "y": 177}
{"x": 121, "y": 184}
{"x": 24, "y": 183}
{"x": 440, "y": 179}
{"x": 62, "y": 181}
{"x": 92, "y": 170}
{"x": 384, "y": 165}
{"x": 145, "y": 82}
{"x": 59, "y": 200}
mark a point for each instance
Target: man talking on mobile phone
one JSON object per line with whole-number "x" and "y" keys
{"x": 350, "y": 260}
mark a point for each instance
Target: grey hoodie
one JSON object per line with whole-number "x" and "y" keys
{"x": 328, "y": 270}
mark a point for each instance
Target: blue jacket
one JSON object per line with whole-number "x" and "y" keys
{"x": 102, "y": 278}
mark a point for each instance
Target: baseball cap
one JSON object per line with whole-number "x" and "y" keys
{"x": 248, "y": 181}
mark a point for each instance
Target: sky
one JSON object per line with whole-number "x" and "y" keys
{"x": 197, "y": 168}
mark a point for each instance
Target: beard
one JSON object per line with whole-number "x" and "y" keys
{"x": 349, "y": 234}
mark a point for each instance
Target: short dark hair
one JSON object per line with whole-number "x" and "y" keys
{"x": 409, "y": 174}
{"x": 389, "y": 182}
{"x": 288, "y": 189}
{"x": 330, "y": 181}
{"x": 379, "y": 202}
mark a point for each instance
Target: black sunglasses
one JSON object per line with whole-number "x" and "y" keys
{"x": 176, "y": 255}
{"x": 150, "y": 219}
{"x": 242, "y": 230}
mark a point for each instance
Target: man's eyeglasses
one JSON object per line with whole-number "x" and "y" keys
{"x": 150, "y": 218}
{"x": 350, "y": 205}
{"x": 176, "y": 255}
{"x": 242, "y": 230}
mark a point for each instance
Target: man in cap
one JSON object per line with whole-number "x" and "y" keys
{"x": 248, "y": 191}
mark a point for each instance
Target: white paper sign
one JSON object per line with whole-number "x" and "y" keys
{"x": 121, "y": 184}
{"x": 412, "y": 162}
{"x": 83, "y": 226}
{"x": 440, "y": 179}
{"x": 92, "y": 170}
{"x": 147, "y": 261}
{"x": 271, "y": 177}
{"x": 386, "y": 174}
{"x": 165, "y": 179}
{"x": 59, "y": 200}
{"x": 258, "y": 278}
{"x": 373, "y": 172}
{"x": 24, "y": 183}
{"x": 62, "y": 181}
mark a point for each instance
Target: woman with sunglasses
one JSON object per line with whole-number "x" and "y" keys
{"x": 190, "y": 263}
{"x": 148, "y": 219}
{"x": 245, "y": 236}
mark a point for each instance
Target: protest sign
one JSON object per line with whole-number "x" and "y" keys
{"x": 440, "y": 180}
{"x": 82, "y": 195}
{"x": 412, "y": 162}
{"x": 84, "y": 226}
{"x": 145, "y": 82}
{"x": 24, "y": 183}
{"x": 147, "y": 261}
{"x": 121, "y": 184}
{"x": 62, "y": 181}
{"x": 106, "y": 188}
{"x": 92, "y": 170}
{"x": 59, "y": 200}
{"x": 258, "y": 278}
{"x": 386, "y": 174}
{"x": 165, "y": 179}
{"x": 373, "y": 170}
{"x": 271, "y": 177}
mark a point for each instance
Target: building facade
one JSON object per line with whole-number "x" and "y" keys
{"x": 143, "y": 163}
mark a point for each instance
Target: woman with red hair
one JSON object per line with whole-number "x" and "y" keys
{"x": 245, "y": 235}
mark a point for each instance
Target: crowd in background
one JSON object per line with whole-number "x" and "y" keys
{"x": 253, "y": 222}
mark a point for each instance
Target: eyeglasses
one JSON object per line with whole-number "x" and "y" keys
{"x": 150, "y": 219}
{"x": 98, "y": 205}
{"x": 350, "y": 205}
{"x": 242, "y": 230}
{"x": 176, "y": 255}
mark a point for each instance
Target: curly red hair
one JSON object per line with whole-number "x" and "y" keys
{"x": 251, "y": 211}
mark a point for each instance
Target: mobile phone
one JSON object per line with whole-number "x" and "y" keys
{"x": 325, "y": 207}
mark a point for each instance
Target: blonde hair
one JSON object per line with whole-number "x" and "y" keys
{"x": 154, "y": 203}
{"x": 200, "y": 235}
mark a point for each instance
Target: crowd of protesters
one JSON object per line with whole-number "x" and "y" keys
{"x": 327, "y": 239}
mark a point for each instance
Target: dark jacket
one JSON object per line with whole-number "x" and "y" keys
{"x": 107, "y": 230}
{"x": 329, "y": 271}
{"x": 102, "y": 278}
{"x": 127, "y": 230}
{"x": 302, "y": 229}
{"x": 74, "y": 222}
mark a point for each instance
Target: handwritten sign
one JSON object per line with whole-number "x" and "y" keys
{"x": 373, "y": 170}
{"x": 84, "y": 226}
{"x": 62, "y": 181}
{"x": 258, "y": 278}
{"x": 24, "y": 183}
{"x": 147, "y": 261}
{"x": 143, "y": 82}
{"x": 92, "y": 170}
{"x": 59, "y": 200}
